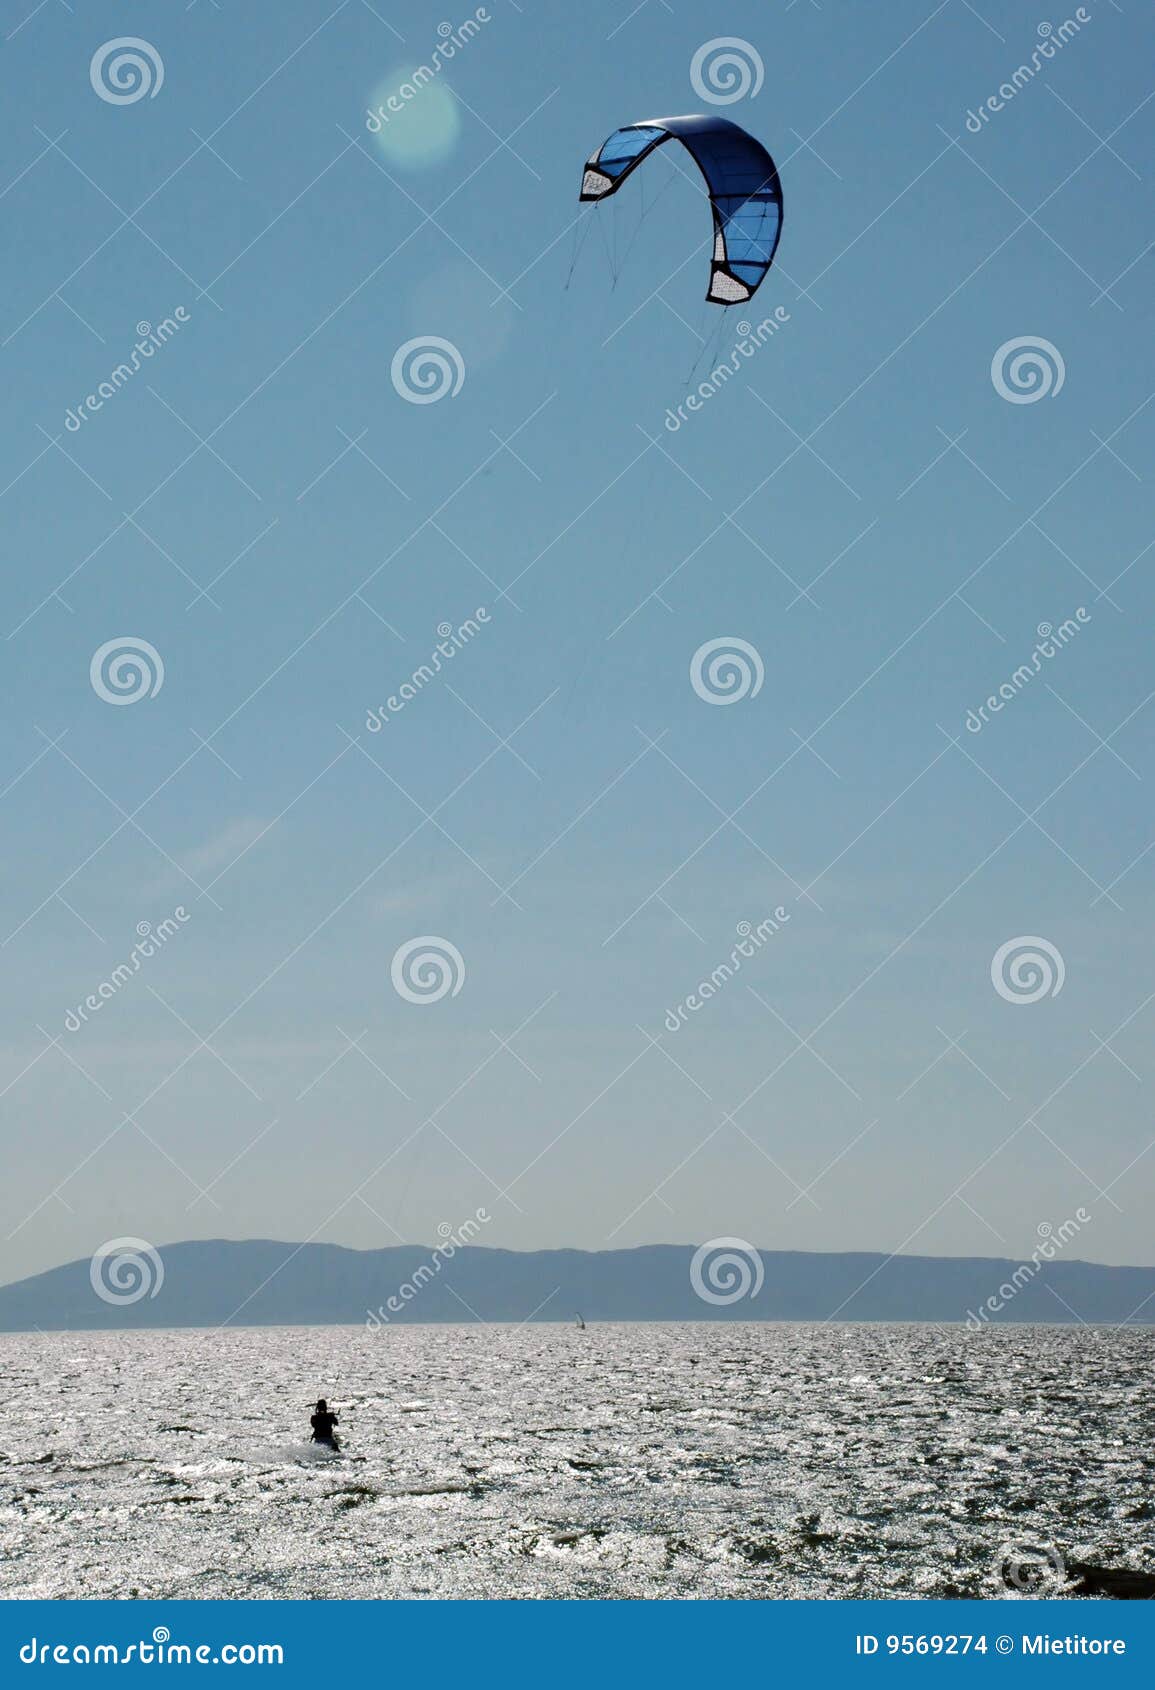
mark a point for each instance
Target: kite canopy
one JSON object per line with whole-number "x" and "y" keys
{"x": 745, "y": 193}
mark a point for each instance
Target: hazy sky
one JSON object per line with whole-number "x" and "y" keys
{"x": 858, "y": 503}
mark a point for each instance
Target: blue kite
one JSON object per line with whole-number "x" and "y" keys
{"x": 742, "y": 180}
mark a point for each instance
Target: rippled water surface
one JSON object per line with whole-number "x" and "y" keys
{"x": 672, "y": 1461}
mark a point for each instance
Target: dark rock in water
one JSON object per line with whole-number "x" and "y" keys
{"x": 1123, "y": 1583}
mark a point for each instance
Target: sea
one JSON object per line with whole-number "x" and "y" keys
{"x": 628, "y": 1460}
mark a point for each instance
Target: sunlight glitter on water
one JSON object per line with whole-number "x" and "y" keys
{"x": 690, "y": 1461}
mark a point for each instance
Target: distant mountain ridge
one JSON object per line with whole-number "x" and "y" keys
{"x": 259, "y": 1282}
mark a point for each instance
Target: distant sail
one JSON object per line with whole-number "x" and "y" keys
{"x": 581, "y": 1325}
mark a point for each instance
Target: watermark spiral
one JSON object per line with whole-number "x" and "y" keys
{"x": 427, "y": 369}
{"x": 1031, "y": 1567}
{"x": 1027, "y": 968}
{"x": 1027, "y": 369}
{"x": 726, "y": 1270}
{"x": 427, "y": 969}
{"x": 725, "y": 70}
{"x": 726, "y": 670}
{"x": 125, "y": 670}
{"x": 126, "y": 70}
{"x": 125, "y": 1270}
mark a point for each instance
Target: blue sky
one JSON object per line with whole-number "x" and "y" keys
{"x": 858, "y": 503}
